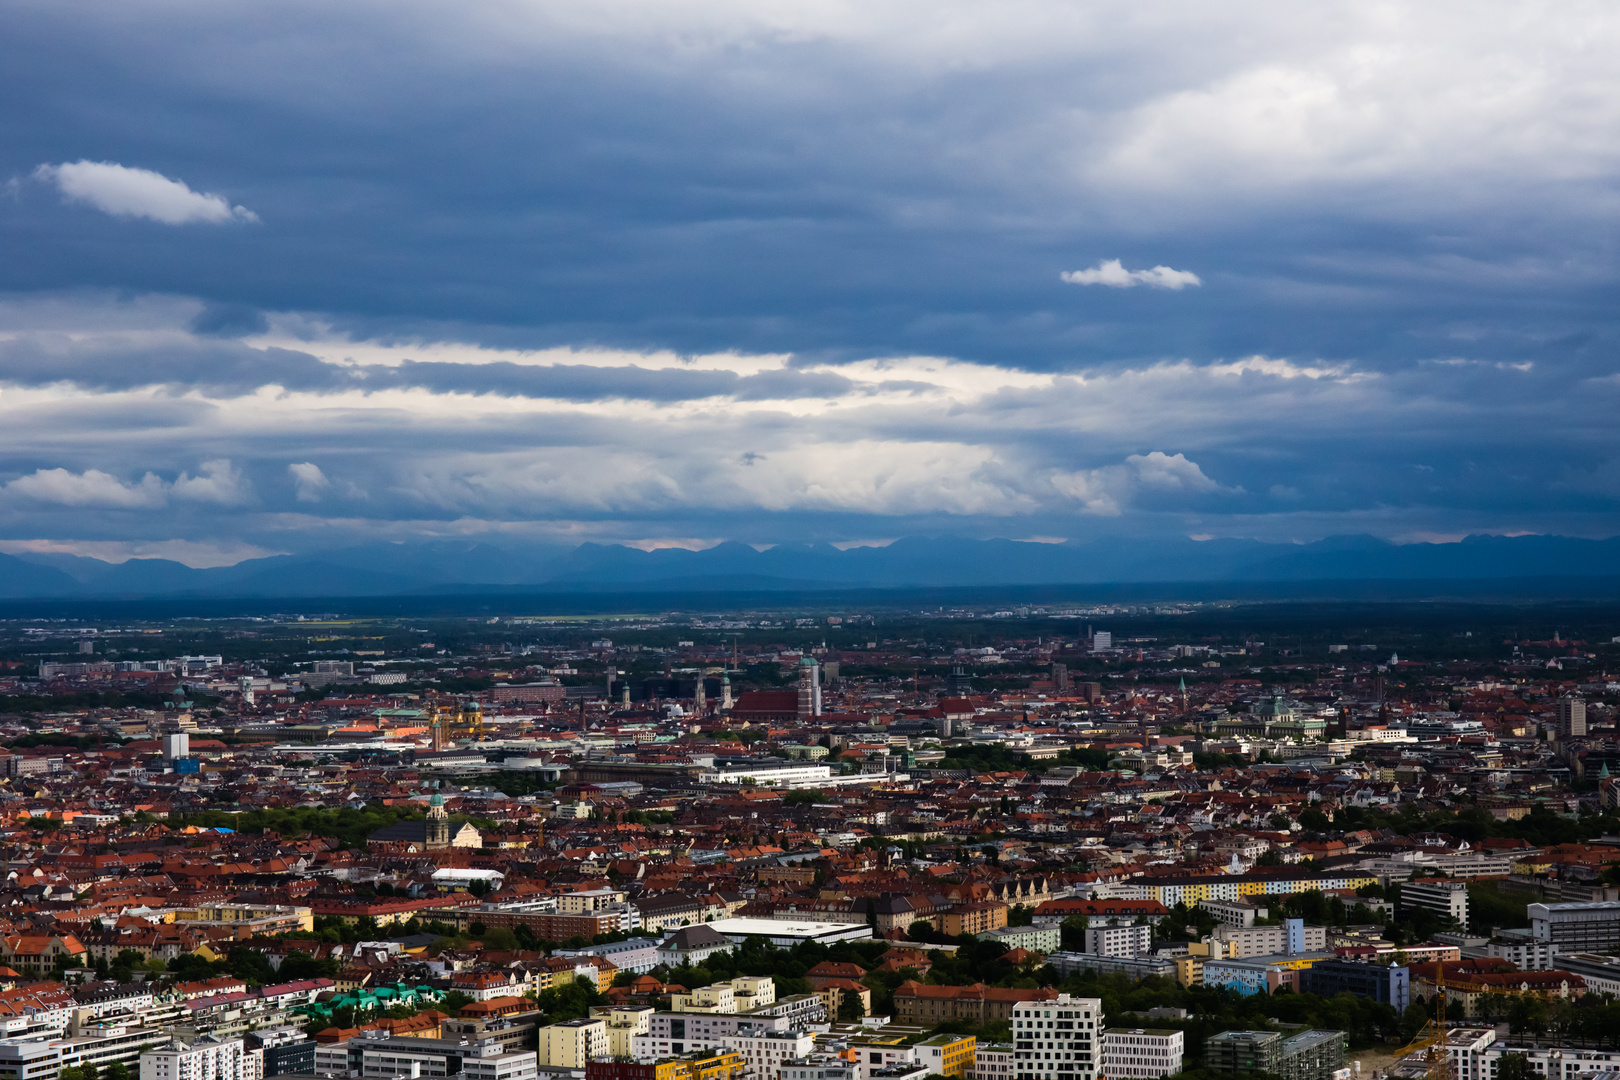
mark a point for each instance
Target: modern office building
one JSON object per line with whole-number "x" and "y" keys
{"x": 1142, "y": 1053}
{"x": 1443, "y": 896}
{"x": 1310, "y": 1055}
{"x": 1592, "y": 927}
{"x": 1391, "y": 985}
{"x": 1571, "y": 717}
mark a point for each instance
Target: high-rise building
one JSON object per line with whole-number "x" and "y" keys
{"x": 1059, "y": 1039}
{"x": 809, "y": 687}
{"x": 1446, "y": 898}
{"x": 206, "y": 1057}
{"x": 1572, "y": 717}
{"x": 1102, "y": 639}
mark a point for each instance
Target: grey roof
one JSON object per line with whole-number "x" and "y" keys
{"x": 701, "y": 936}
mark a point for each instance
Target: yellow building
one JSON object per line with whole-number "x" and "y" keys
{"x": 624, "y": 1023}
{"x": 947, "y": 1055}
{"x": 974, "y": 918}
{"x": 739, "y": 995}
{"x": 573, "y": 1043}
{"x": 712, "y": 1065}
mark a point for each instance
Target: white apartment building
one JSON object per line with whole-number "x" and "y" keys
{"x": 772, "y": 775}
{"x": 992, "y": 1061}
{"x": 1524, "y": 953}
{"x": 577, "y": 903}
{"x": 331, "y": 1059}
{"x": 763, "y": 1052}
{"x": 1246, "y": 941}
{"x": 1118, "y": 940}
{"x": 1447, "y": 899}
{"x": 207, "y": 1058}
{"x": 1593, "y": 926}
{"x": 1041, "y": 939}
{"x": 1240, "y": 912}
{"x": 820, "y": 1067}
{"x": 1058, "y": 1040}
{"x": 634, "y": 954}
{"x": 1144, "y": 1053}
{"x": 518, "y": 1066}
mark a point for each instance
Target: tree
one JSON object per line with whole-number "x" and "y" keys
{"x": 249, "y": 965}
{"x": 301, "y": 965}
{"x": 849, "y": 1008}
{"x": 1513, "y": 1067}
{"x": 116, "y": 1071}
{"x": 1313, "y": 820}
{"x": 189, "y": 967}
{"x": 1269, "y": 857}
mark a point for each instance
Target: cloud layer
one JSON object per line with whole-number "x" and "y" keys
{"x": 775, "y": 271}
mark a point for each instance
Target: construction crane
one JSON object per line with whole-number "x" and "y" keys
{"x": 1431, "y": 1041}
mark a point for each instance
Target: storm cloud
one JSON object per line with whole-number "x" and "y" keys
{"x": 786, "y": 271}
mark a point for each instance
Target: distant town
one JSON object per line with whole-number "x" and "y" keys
{"x": 1113, "y": 842}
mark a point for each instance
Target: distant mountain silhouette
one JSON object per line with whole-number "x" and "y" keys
{"x": 466, "y": 566}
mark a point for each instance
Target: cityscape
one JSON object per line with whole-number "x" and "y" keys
{"x": 1059, "y": 842}
{"x": 809, "y": 540}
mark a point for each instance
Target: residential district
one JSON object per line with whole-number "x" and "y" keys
{"x": 1013, "y": 846}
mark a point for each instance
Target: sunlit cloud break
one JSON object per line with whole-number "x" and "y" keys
{"x": 1112, "y": 273}
{"x": 124, "y": 192}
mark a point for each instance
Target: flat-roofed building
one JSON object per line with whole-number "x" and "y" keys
{"x": 1443, "y": 896}
{"x": 1143, "y": 1053}
{"x": 1058, "y": 1038}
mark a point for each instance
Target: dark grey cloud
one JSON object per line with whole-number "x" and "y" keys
{"x": 229, "y": 321}
{"x": 838, "y": 186}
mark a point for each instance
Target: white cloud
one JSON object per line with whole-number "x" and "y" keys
{"x": 1169, "y": 472}
{"x": 309, "y": 480}
{"x": 1107, "y": 491}
{"x": 90, "y": 488}
{"x": 1112, "y": 273}
{"x": 219, "y": 482}
{"x": 124, "y": 192}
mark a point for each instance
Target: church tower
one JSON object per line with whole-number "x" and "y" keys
{"x": 438, "y": 823}
{"x": 725, "y": 693}
{"x": 699, "y": 703}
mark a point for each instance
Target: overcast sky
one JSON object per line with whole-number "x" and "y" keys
{"x": 280, "y": 276}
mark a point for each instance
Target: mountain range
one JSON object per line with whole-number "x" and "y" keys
{"x": 446, "y": 567}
